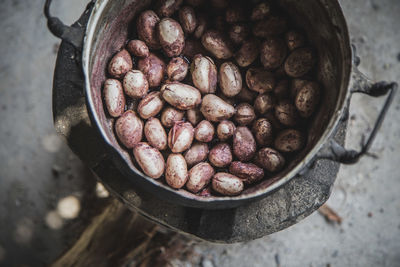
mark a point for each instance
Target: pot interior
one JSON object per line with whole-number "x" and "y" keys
{"x": 112, "y": 23}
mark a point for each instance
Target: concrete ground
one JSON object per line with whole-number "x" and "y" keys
{"x": 39, "y": 176}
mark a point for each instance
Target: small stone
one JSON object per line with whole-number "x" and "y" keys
{"x": 369, "y": 214}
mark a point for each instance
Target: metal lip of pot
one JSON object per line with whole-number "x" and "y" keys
{"x": 351, "y": 79}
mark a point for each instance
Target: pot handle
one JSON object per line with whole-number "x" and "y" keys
{"x": 364, "y": 85}
{"x": 70, "y": 34}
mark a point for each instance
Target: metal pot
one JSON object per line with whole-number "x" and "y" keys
{"x": 108, "y": 29}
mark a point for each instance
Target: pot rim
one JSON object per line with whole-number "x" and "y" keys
{"x": 215, "y": 202}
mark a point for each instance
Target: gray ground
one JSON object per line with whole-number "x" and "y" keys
{"x": 37, "y": 169}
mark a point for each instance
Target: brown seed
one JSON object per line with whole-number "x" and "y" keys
{"x": 289, "y": 140}
{"x": 225, "y": 130}
{"x": 264, "y": 103}
{"x": 187, "y": 18}
{"x": 166, "y": 8}
{"x": 192, "y": 48}
{"x": 150, "y": 105}
{"x": 300, "y": 62}
{"x": 244, "y": 114}
{"x": 219, "y": 3}
{"x": 135, "y": 84}
{"x": 129, "y": 129}
{"x": 180, "y": 137}
{"x": 114, "y": 97}
{"x": 281, "y": 89}
{"x": 204, "y": 74}
{"x": 220, "y": 155}
{"x": 227, "y": 184}
{"x": 198, "y": 152}
{"x": 138, "y": 48}
{"x": 286, "y": 113}
{"x": 194, "y": 116}
{"x": 181, "y": 96}
{"x": 120, "y": 64}
{"x": 234, "y": 14}
{"x": 307, "y": 99}
{"x": 245, "y": 95}
{"x": 273, "y": 53}
{"x": 248, "y": 172}
{"x": 176, "y": 173}
{"x": 247, "y": 53}
{"x": 204, "y": 131}
{"x": 199, "y": 177}
{"x": 153, "y": 68}
{"x": 297, "y": 84}
{"x": 263, "y": 132}
{"x": 244, "y": 144}
{"x": 261, "y": 11}
{"x": 149, "y": 159}
{"x": 170, "y": 115}
{"x": 260, "y": 80}
{"x": 155, "y": 134}
{"x": 177, "y": 69}
{"x": 215, "y": 109}
{"x": 201, "y": 26}
{"x": 217, "y": 44}
{"x": 239, "y": 33}
{"x": 295, "y": 39}
{"x": 270, "y": 160}
{"x": 171, "y": 37}
{"x": 146, "y": 28}
{"x": 230, "y": 79}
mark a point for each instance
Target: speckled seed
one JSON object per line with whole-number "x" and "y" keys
{"x": 260, "y": 11}
{"x": 286, "y": 113}
{"x": 244, "y": 144}
{"x": 155, "y": 134}
{"x": 295, "y": 39}
{"x": 138, "y": 48}
{"x": 260, "y": 80}
{"x": 247, "y": 53}
{"x": 114, "y": 97}
{"x": 273, "y": 53}
{"x": 135, "y": 84}
{"x": 170, "y": 115}
{"x": 153, "y": 68}
{"x": 146, "y": 28}
{"x": 244, "y": 114}
{"x": 192, "y": 48}
{"x": 289, "y": 140}
{"x": 177, "y": 69}
{"x": 227, "y": 184}
{"x": 216, "y": 43}
{"x": 300, "y": 62}
{"x": 263, "y": 132}
{"x": 234, "y": 14}
{"x": 248, "y": 172}
{"x": 230, "y": 79}
{"x": 150, "y": 105}
{"x": 120, "y": 64}
{"x": 198, "y": 152}
{"x": 281, "y": 89}
{"x": 225, "y": 130}
{"x": 181, "y": 96}
{"x": 238, "y": 33}
{"x": 270, "y": 159}
{"x": 204, "y": 74}
{"x": 215, "y": 109}
{"x": 187, "y": 18}
{"x": 246, "y": 95}
{"x": 149, "y": 159}
{"x": 264, "y": 103}
{"x": 129, "y": 129}
{"x": 220, "y": 155}
{"x": 201, "y": 26}
{"x": 307, "y": 99}
{"x": 166, "y": 8}
{"x": 296, "y": 85}
{"x": 180, "y": 137}
{"x": 176, "y": 173}
{"x": 194, "y": 116}
{"x": 171, "y": 37}
{"x": 204, "y": 131}
{"x": 199, "y": 177}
